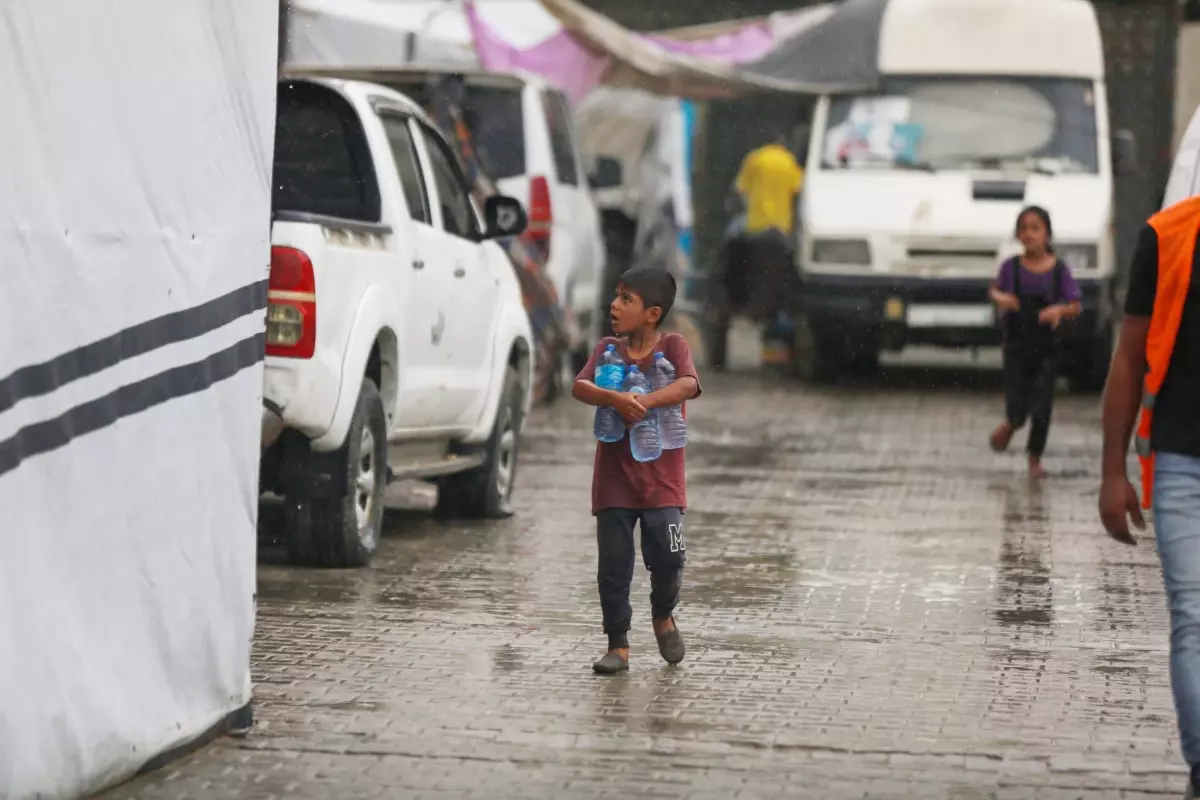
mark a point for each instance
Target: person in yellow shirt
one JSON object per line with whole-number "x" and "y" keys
{"x": 759, "y": 274}
{"x": 769, "y": 182}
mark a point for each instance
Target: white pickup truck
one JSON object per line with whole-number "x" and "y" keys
{"x": 398, "y": 343}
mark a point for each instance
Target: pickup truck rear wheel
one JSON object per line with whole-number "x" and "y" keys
{"x": 334, "y": 512}
{"x": 486, "y": 491}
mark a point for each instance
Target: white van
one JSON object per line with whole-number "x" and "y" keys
{"x": 912, "y": 193}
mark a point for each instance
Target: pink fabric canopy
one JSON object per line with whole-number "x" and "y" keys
{"x": 577, "y": 69}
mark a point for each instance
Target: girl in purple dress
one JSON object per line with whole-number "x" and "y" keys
{"x": 1035, "y": 293}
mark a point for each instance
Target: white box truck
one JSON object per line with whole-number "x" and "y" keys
{"x": 913, "y": 190}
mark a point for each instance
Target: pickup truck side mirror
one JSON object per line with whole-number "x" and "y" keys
{"x": 504, "y": 217}
{"x": 1124, "y": 152}
{"x": 607, "y": 174}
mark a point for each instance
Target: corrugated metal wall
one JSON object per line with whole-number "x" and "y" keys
{"x": 1140, "y": 44}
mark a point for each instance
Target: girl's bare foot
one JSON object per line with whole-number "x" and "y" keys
{"x": 1036, "y": 470}
{"x": 1001, "y": 437}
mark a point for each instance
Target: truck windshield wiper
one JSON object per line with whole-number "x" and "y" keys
{"x": 914, "y": 166}
{"x": 1029, "y": 164}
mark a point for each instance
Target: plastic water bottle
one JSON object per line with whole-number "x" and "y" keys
{"x": 643, "y": 436}
{"x": 610, "y": 374}
{"x": 672, "y": 428}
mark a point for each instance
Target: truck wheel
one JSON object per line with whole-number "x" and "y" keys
{"x": 486, "y": 491}
{"x": 863, "y": 359}
{"x": 817, "y": 358}
{"x": 1088, "y": 362}
{"x": 334, "y": 512}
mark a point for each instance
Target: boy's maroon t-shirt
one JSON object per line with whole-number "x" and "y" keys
{"x": 619, "y": 481}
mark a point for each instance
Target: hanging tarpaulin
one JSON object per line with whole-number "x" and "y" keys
{"x": 860, "y": 42}
{"x": 134, "y": 245}
{"x": 838, "y": 51}
{"x": 591, "y": 50}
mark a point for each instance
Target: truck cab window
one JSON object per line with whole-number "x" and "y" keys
{"x": 562, "y": 142}
{"x": 322, "y": 160}
{"x": 408, "y": 165}
{"x": 458, "y": 217}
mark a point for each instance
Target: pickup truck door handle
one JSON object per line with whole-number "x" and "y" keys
{"x": 459, "y": 271}
{"x": 418, "y": 264}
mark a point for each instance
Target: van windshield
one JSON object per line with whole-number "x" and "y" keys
{"x": 496, "y": 120}
{"x": 942, "y": 122}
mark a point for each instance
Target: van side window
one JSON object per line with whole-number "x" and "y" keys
{"x": 322, "y": 159}
{"x": 495, "y": 117}
{"x": 562, "y": 140}
{"x": 458, "y": 217}
{"x": 408, "y": 165}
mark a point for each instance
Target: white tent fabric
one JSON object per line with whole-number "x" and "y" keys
{"x": 134, "y": 242}
{"x": 364, "y": 33}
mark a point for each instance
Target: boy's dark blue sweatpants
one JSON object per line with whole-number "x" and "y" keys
{"x": 663, "y": 553}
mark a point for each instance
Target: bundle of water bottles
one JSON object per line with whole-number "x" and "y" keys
{"x": 661, "y": 429}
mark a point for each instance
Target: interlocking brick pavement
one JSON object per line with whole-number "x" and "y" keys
{"x": 875, "y": 606}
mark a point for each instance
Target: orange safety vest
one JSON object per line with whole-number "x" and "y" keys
{"x": 1177, "y": 228}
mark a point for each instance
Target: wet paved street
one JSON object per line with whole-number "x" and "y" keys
{"x": 875, "y": 606}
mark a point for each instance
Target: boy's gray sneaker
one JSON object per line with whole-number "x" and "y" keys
{"x": 670, "y": 645}
{"x": 611, "y": 664}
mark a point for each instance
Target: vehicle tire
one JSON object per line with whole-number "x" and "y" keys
{"x": 1088, "y": 362}
{"x": 863, "y": 358}
{"x": 817, "y": 358}
{"x": 333, "y": 512}
{"x": 486, "y": 491}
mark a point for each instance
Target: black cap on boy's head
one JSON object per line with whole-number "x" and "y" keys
{"x": 656, "y": 287}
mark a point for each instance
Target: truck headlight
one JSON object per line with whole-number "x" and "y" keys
{"x": 1079, "y": 256}
{"x": 841, "y": 251}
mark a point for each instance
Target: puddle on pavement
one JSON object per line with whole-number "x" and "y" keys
{"x": 507, "y": 658}
{"x": 1024, "y": 591}
{"x": 750, "y": 581}
{"x": 345, "y": 705}
{"x": 278, "y": 586}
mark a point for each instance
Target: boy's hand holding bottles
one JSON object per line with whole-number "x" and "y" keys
{"x": 629, "y": 407}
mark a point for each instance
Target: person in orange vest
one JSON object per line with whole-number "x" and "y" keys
{"x": 1156, "y": 370}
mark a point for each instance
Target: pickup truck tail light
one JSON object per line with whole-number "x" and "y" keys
{"x": 541, "y": 215}
{"x": 291, "y": 305}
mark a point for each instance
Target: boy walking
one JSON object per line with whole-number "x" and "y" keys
{"x": 626, "y": 492}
